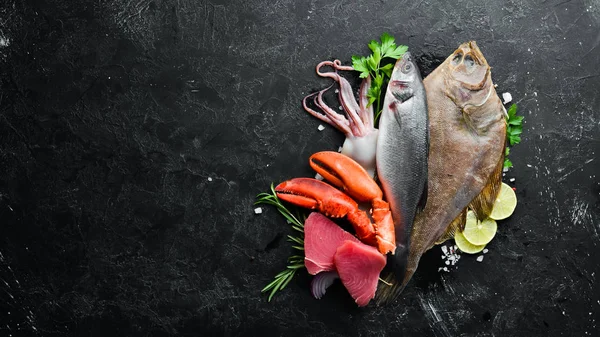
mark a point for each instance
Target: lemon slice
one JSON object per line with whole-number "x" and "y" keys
{"x": 479, "y": 232}
{"x": 465, "y": 246}
{"x": 505, "y": 203}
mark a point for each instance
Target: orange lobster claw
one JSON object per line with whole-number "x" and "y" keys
{"x": 354, "y": 180}
{"x": 346, "y": 174}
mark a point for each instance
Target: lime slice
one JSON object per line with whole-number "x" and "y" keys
{"x": 465, "y": 246}
{"x": 505, "y": 203}
{"x": 479, "y": 232}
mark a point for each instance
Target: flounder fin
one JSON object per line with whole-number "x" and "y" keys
{"x": 483, "y": 203}
{"x": 457, "y": 225}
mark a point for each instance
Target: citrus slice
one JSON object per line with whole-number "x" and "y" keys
{"x": 479, "y": 232}
{"x": 465, "y": 246}
{"x": 505, "y": 203}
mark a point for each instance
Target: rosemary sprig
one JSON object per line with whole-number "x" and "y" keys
{"x": 295, "y": 262}
{"x": 282, "y": 279}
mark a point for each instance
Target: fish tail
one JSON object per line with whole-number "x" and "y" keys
{"x": 394, "y": 276}
{"x": 389, "y": 289}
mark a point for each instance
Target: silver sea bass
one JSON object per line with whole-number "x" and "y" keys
{"x": 402, "y": 151}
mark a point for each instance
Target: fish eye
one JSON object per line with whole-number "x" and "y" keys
{"x": 407, "y": 67}
{"x": 469, "y": 61}
{"x": 457, "y": 58}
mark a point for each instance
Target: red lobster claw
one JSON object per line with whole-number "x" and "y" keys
{"x": 315, "y": 194}
{"x": 351, "y": 178}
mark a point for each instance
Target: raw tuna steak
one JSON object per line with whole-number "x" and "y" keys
{"x": 321, "y": 239}
{"x": 359, "y": 266}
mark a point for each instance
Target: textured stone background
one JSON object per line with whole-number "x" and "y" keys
{"x": 134, "y": 136}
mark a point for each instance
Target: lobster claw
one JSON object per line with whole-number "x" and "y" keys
{"x": 346, "y": 174}
{"x": 315, "y": 194}
{"x": 353, "y": 179}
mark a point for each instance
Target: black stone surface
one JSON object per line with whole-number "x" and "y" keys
{"x": 134, "y": 136}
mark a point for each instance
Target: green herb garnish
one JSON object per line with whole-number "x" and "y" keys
{"x": 295, "y": 262}
{"x": 514, "y": 128}
{"x": 371, "y": 65}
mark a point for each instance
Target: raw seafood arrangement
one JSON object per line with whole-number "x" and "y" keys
{"x": 430, "y": 172}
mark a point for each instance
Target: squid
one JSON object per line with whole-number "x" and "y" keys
{"x": 358, "y": 122}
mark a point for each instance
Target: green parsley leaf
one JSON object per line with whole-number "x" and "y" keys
{"x": 387, "y": 43}
{"x": 373, "y": 94}
{"x": 516, "y": 120}
{"x": 375, "y": 46}
{"x": 514, "y": 128}
{"x": 360, "y": 64}
{"x": 512, "y": 111}
{"x": 514, "y": 140}
{"x": 397, "y": 52}
{"x": 371, "y": 66}
{"x": 376, "y": 59}
{"x": 387, "y": 69}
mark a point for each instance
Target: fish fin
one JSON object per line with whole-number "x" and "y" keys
{"x": 457, "y": 225}
{"x": 388, "y": 289}
{"x": 423, "y": 200}
{"x": 483, "y": 203}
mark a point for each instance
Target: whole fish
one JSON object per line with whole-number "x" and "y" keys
{"x": 401, "y": 154}
{"x": 466, "y": 154}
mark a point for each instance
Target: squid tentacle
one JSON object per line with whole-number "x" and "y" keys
{"x": 328, "y": 115}
{"x": 360, "y": 124}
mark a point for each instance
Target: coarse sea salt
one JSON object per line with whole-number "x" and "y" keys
{"x": 450, "y": 254}
{"x": 480, "y": 258}
{"x": 258, "y": 210}
{"x": 320, "y": 127}
{"x": 507, "y": 97}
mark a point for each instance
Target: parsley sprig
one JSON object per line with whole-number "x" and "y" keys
{"x": 295, "y": 262}
{"x": 514, "y": 128}
{"x": 372, "y": 66}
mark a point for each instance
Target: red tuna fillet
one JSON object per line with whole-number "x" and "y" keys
{"x": 359, "y": 267}
{"x": 321, "y": 239}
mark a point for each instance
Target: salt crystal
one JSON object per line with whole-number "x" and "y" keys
{"x": 258, "y": 210}
{"x": 445, "y": 249}
{"x": 447, "y": 262}
{"x": 485, "y": 250}
{"x": 320, "y": 127}
{"x": 528, "y": 165}
{"x": 480, "y": 258}
{"x": 511, "y": 179}
{"x": 209, "y": 179}
{"x": 507, "y": 97}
